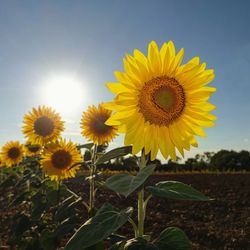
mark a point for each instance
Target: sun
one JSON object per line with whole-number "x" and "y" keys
{"x": 65, "y": 93}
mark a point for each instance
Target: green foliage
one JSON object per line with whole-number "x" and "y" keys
{"x": 86, "y": 146}
{"x": 106, "y": 221}
{"x": 46, "y": 219}
{"x": 126, "y": 184}
{"x": 173, "y": 238}
{"x": 176, "y": 190}
{"x": 139, "y": 244}
{"x": 114, "y": 153}
{"x": 230, "y": 160}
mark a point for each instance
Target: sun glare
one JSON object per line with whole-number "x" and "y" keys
{"x": 63, "y": 93}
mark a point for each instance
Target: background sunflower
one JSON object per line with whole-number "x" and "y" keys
{"x": 42, "y": 125}
{"x": 58, "y": 161}
{"x": 12, "y": 153}
{"x": 162, "y": 104}
{"x": 32, "y": 149}
{"x": 93, "y": 125}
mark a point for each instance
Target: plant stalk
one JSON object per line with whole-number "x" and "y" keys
{"x": 141, "y": 207}
{"x": 141, "y": 213}
{"x": 92, "y": 182}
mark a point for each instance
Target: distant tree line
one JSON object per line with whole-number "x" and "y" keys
{"x": 223, "y": 160}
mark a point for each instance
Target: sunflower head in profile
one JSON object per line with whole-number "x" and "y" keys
{"x": 32, "y": 149}
{"x": 1, "y": 162}
{"x": 162, "y": 103}
{"x": 42, "y": 125}
{"x": 12, "y": 153}
{"x": 59, "y": 161}
{"x": 93, "y": 125}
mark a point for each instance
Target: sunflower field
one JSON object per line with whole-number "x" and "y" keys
{"x": 161, "y": 106}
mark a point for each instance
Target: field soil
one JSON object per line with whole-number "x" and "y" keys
{"x": 223, "y": 223}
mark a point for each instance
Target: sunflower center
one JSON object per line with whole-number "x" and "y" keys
{"x": 98, "y": 125}
{"x": 14, "y": 153}
{"x": 164, "y": 98}
{"x": 161, "y": 100}
{"x": 61, "y": 159}
{"x": 44, "y": 126}
{"x": 33, "y": 148}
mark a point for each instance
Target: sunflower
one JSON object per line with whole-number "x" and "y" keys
{"x": 93, "y": 125}
{"x": 1, "y": 162}
{"x": 161, "y": 104}
{"x": 42, "y": 125}
{"x": 59, "y": 160}
{"x": 32, "y": 149}
{"x": 12, "y": 153}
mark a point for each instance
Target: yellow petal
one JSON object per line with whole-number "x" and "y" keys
{"x": 176, "y": 62}
{"x": 154, "y": 61}
{"x": 117, "y": 88}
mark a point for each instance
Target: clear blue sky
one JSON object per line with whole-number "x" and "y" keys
{"x": 89, "y": 38}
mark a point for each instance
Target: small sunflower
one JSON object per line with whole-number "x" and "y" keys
{"x": 32, "y": 149}
{"x": 12, "y": 153}
{"x": 1, "y": 162}
{"x": 42, "y": 125}
{"x": 162, "y": 104}
{"x": 93, "y": 125}
{"x": 58, "y": 161}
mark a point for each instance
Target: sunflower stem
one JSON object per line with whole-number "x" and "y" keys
{"x": 141, "y": 207}
{"x": 92, "y": 182}
{"x": 130, "y": 220}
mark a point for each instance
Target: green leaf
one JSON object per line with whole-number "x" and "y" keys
{"x": 173, "y": 238}
{"x": 105, "y": 222}
{"x": 53, "y": 197}
{"x": 48, "y": 240}
{"x": 139, "y": 244}
{"x": 39, "y": 205}
{"x": 19, "y": 199}
{"x": 114, "y": 153}
{"x": 67, "y": 207}
{"x": 22, "y": 224}
{"x": 87, "y": 146}
{"x": 118, "y": 246}
{"x": 67, "y": 226}
{"x": 177, "y": 191}
{"x": 125, "y": 183}
{"x": 9, "y": 181}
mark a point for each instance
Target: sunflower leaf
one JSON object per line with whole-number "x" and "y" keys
{"x": 125, "y": 183}
{"x": 114, "y": 153}
{"x": 173, "y": 238}
{"x": 86, "y": 146}
{"x": 106, "y": 221}
{"x": 177, "y": 191}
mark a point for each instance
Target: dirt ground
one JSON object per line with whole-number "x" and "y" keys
{"x": 220, "y": 224}
{"x": 223, "y": 223}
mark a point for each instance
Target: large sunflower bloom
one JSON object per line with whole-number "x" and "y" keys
{"x": 12, "y": 153}
{"x": 42, "y": 125}
{"x": 32, "y": 149}
{"x": 93, "y": 125}
{"x": 59, "y": 160}
{"x": 161, "y": 104}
